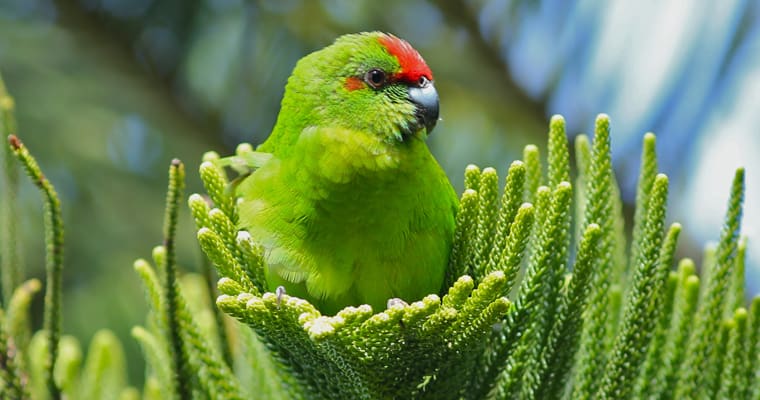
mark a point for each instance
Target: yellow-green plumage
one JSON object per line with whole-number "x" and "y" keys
{"x": 352, "y": 208}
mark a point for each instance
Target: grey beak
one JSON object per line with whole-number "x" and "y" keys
{"x": 426, "y": 99}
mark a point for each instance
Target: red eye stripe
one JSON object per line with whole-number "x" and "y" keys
{"x": 354, "y": 83}
{"x": 412, "y": 65}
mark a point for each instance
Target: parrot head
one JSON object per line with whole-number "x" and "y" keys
{"x": 374, "y": 83}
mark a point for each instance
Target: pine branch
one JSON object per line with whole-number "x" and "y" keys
{"x": 238, "y": 256}
{"x": 37, "y": 354}
{"x": 733, "y": 374}
{"x": 511, "y": 258}
{"x": 709, "y": 261}
{"x": 558, "y": 157}
{"x": 181, "y": 375}
{"x": 558, "y": 172}
{"x": 221, "y": 328}
{"x": 195, "y": 366}
{"x": 648, "y": 377}
{"x": 12, "y": 386}
{"x": 639, "y": 317}
{"x": 158, "y": 359}
{"x": 227, "y": 232}
{"x": 473, "y": 340}
{"x": 14, "y": 341}
{"x": 472, "y": 177}
{"x": 103, "y": 375}
{"x": 53, "y": 257}
{"x": 619, "y": 271}
{"x": 67, "y": 368}
{"x": 488, "y": 200}
{"x": 258, "y": 372}
{"x": 214, "y": 247}
{"x": 614, "y": 316}
{"x": 736, "y": 296}
{"x": 513, "y": 250}
{"x": 534, "y": 174}
{"x": 647, "y": 175}
{"x": 716, "y": 363}
{"x": 583, "y": 163}
{"x": 153, "y": 290}
{"x": 709, "y": 315}
{"x": 465, "y": 233}
{"x": 216, "y": 184}
{"x": 214, "y": 376}
{"x": 412, "y": 338}
{"x": 567, "y": 329}
{"x": 17, "y": 318}
{"x": 531, "y": 321}
{"x": 154, "y": 345}
{"x": 463, "y": 236}
{"x": 674, "y": 349}
{"x": 511, "y": 201}
{"x": 591, "y": 358}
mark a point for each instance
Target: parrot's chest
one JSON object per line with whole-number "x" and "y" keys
{"x": 368, "y": 190}
{"x": 381, "y": 238}
{"x": 370, "y": 209}
{"x": 348, "y": 230}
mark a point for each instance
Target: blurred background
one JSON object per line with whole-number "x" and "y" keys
{"x": 109, "y": 91}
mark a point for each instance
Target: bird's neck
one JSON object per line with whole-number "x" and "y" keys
{"x": 347, "y": 169}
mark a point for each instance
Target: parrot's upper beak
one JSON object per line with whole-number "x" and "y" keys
{"x": 425, "y": 98}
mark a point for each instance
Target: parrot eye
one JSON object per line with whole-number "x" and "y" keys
{"x": 375, "y": 78}
{"x": 423, "y": 81}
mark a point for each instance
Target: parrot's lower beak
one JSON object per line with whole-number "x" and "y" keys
{"x": 426, "y": 99}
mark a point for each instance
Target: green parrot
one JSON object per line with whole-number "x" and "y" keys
{"x": 351, "y": 207}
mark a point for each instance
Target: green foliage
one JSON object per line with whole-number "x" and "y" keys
{"x": 533, "y": 308}
{"x": 647, "y": 176}
{"x": 620, "y": 327}
{"x": 54, "y": 258}
{"x": 511, "y": 202}
{"x": 172, "y": 302}
{"x": 10, "y": 372}
{"x": 49, "y": 365}
{"x": 654, "y": 356}
{"x": 597, "y": 209}
{"x": 640, "y": 312}
{"x": 176, "y": 346}
{"x": 465, "y": 226}
{"x": 702, "y": 353}
{"x": 566, "y": 330}
{"x": 674, "y": 349}
{"x": 104, "y": 374}
{"x": 732, "y": 378}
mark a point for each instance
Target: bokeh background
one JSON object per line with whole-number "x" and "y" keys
{"x": 109, "y": 91}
